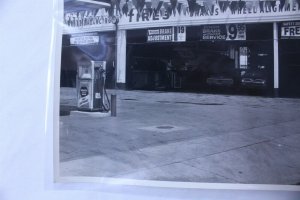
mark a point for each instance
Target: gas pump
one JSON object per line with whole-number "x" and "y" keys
{"x": 91, "y": 86}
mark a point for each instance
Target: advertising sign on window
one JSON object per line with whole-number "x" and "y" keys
{"x": 179, "y": 33}
{"x": 223, "y": 32}
{"x": 244, "y": 57}
{"x": 290, "y": 30}
{"x": 84, "y": 40}
{"x": 167, "y": 34}
{"x": 164, "y": 34}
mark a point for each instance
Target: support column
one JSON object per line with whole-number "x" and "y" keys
{"x": 121, "y": 59}
{"x": 276, "y": 59}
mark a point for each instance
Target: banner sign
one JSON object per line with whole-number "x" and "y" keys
{"x": 290, "y": 30}
{"x": 167, "y": 34}
{"x": 84, "y": 40}
{"x": 141, "y": 11}
{"x": 223, "y": 32}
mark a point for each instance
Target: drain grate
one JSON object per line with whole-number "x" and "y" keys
{"x": 165, "y": 127}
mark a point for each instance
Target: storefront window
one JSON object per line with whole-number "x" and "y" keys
{"x": 234, "y": 58}
{"x": 289, "y": 60}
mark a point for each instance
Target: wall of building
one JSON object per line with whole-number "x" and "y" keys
{"x": 135, "y": 15}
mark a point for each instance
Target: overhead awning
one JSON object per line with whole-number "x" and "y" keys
{"x": 78, "y": 5}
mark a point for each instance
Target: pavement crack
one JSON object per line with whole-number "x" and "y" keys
{"x": 236, "y": 181}
{"x": 248, "y": 145}
{"x": 268, "y": 125}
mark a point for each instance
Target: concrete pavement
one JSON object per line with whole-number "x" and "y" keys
{"x": 184, "y": 137}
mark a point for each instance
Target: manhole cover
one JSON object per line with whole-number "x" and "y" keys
{"x": 163, "y": 101}
{"x": 129, "y": 99}
{"x": 165, "y": 127}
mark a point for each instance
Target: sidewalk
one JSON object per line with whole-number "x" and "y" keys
{"x": 184, "y": 137}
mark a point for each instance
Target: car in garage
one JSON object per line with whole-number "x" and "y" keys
{"x": 222, "y": 73}
{"x": 255, "y": 78}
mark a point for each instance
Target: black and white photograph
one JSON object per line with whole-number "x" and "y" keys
{"x": 201, "y": 91}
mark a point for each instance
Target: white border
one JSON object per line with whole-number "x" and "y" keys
{"x": 57, "y": 40}
{"x": 53, "y": 139}
{"x": 174, "y": 184}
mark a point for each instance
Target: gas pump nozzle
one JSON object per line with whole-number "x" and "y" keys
{"x": 101, "y": 84}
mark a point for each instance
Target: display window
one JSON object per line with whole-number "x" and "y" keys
{"x": 289, "y": 60}
{"x": 234, "y": 58}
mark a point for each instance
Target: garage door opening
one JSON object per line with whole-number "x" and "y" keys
{"x": 236, "y": 67}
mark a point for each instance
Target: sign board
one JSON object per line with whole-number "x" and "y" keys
{"x": 244, "y": 57}
{"x": 167, "y": 34}
{"x": 141, "y": 14}
{"x": 223, "y": 32}
{"x": 290, "y": 30}
{"x": 179, "y": 33}
{"x": 84, "y": 40}
{"x": 84, "y": 91}
{"x": 164, "y": 34}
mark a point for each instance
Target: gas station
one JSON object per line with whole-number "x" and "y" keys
{"x": 198, "y": 41}
{"x": 181, "y": 71}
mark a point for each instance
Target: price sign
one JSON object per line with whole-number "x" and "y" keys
{"x": 236, "y": 32}
{"x": 223, "y": 32}
{"x": 179, "y": 34}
